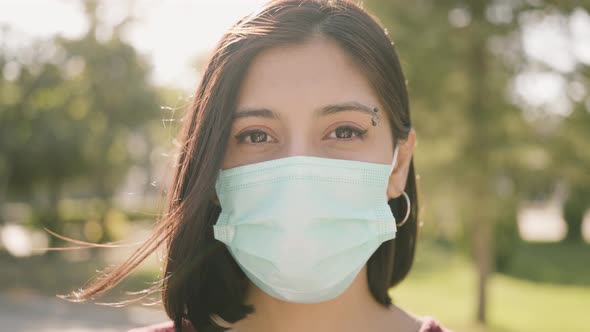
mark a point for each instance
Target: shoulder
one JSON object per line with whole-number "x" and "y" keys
{"x": 429, "y": 324}
{"x": 411, "y": 322}
{"x": 164, "y": 327}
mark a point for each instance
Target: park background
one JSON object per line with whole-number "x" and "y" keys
{"x": 92, "y": 94}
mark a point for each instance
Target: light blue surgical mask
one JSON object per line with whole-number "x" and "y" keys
{"x": 301, "y": 228}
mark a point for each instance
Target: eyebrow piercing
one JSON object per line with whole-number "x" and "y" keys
{"x": 373, "y": 122}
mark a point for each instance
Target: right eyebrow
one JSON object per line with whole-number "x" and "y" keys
{"x": 255, "y": 112}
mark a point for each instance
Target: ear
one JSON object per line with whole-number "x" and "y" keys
{"x": 399, "y": 175}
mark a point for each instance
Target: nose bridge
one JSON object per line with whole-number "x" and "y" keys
{"x": 301, "y": 140}
{"x": 301, "y": 145}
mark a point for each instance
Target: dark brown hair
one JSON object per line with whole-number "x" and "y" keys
{"x": 201, "y": 280}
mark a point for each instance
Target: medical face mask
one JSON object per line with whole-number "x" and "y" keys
{"x": 301, "y": 228}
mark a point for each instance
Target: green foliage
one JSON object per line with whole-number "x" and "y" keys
{"x": 552, "y": 263}
{"x": 574, "y": 210}
{"x": 506, "y": 239}
{"x": 68, "y": 119}
{"x": 479, "y": 153}
{"x": 469, "y": 130}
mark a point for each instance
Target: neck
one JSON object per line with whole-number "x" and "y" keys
{"x": 354, "y": 310}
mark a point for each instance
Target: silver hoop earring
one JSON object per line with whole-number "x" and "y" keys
{"x": 401, "y": 223}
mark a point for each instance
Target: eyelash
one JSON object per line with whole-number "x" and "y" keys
{"x": 243, "y": 135}
{"x": 358, "y": 133}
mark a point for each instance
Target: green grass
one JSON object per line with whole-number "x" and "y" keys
{"x": 443, "y": 285}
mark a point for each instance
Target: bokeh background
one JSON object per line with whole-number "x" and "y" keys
{"x": 92, "y": 94}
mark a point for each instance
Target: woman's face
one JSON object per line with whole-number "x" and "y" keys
{"x": 307, "y": 99}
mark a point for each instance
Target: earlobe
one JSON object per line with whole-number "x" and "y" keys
{"x": 392, "y": 189}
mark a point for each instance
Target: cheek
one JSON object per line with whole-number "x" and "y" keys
{"x": 228, "y": 158}
{"x": 244, "y": 154}
{"x": 381, "y": 151}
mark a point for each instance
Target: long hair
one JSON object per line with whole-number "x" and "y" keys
{"x": 201, "y": 281}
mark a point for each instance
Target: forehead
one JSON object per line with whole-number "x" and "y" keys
{"x": 304, "y": 76}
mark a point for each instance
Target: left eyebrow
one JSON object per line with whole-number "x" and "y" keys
{"x": 347, "y": 106}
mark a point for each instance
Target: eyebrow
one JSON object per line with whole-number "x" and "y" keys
{"x": 255, "y": 112}
{"x": 347, "y": 106}
{"x": 322, "y": 111}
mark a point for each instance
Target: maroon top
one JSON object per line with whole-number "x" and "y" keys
{"x": 429, "y": 324}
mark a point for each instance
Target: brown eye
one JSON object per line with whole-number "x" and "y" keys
{"x": 344, "y": 132}
{"x": 254, "y": 137}
{"x": 347, "y": 133}
{"x": 257, "y": 137}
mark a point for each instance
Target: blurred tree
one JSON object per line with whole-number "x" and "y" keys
{"x": 571, "y": 162}
{"x": 39, "y": 147}
{"x": 69, "y": 114}
{"x": 575, "y": 207}
{"x": 482, "y": 155}
{"x": 121, "y": 103}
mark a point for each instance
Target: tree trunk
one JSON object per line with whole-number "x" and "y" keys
{"x": 478, "y": 154}
{"x": 484, "y": 256}
{"x": 575, "y": 207}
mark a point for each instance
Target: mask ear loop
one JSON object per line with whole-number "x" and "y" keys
{"x": 401, "y": 223}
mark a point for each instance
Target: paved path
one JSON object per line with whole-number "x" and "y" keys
{"x": 28, "y": 312}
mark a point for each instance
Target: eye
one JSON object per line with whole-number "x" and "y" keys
{"x": 347, "y": 133}
{"x": 254, "y": 136}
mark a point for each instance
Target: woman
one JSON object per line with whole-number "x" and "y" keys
{"x": 293, "y": 206}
